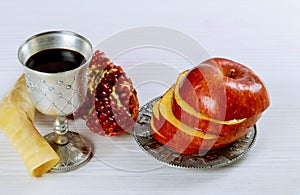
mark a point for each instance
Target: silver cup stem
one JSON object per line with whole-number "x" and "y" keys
{"x": 61, "y": 128}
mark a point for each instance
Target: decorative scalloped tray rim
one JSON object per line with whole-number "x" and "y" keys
{"x": 212, "y": 159}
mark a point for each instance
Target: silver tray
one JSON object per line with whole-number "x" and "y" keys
{"x": 214, "y": 158}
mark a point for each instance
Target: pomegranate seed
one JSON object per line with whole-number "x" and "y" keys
{"x": 103, "y": 94}
{"x": 123, "y": 111}
{"x": 104, "y": 80}
{"x": 105, "y": 87}
{"x": 108, "y": 113}
{"x": 110, "y": 129}
{"x": 94, "y": 115}
{"x": 114, "y": 125}
{"x": 126, "y": 90}
{"x": 70, "y": 117}
{"x": 106, "y": 104}
{"x": 123, "y": 96}
{"x": 119, "y": 88}
{"x": 110, "y": 120}
{"x": 105, "y": 99}
{"x": 126, "y": 103}
{"x": 107, "y": 107}
{"x": 121, "y": 72}
{"x": 109, "y": 66}
{"x": 105, "y": 125}
{"x": 102, "y": 116}
{"x": 113, "y": 103}
{"x": 123, "y": 120}
{"x": 121, "y": 78}
{"x": 101, "y": 109}
{"x": 97, "y": 103}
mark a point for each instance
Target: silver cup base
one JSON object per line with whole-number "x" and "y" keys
{"x": 73, "y": 155}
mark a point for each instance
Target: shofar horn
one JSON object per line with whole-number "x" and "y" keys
{"x": 16, "y": 121}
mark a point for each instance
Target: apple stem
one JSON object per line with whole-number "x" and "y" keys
{"x": 232, "y": 71}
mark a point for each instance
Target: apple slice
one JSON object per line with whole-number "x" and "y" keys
{"x": 182, "y": 138}
{"x": 165, "y": 109}
{"x": 158, "y": 120}
{"x": 191, "y": 117}
{"x": 176, "y": 135}
{"x": 183, "y": 105}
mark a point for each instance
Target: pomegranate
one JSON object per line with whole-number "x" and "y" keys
{"x": 111, "y": 105}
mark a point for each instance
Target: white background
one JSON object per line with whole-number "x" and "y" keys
{"x": 264, "y": 35}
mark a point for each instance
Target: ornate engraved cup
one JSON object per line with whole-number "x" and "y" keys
{"x": 60, "y": 94}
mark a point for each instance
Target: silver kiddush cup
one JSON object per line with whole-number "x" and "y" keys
{"x": 60, "y": 94}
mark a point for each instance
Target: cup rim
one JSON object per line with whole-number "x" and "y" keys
{"x": 53, "y": 32}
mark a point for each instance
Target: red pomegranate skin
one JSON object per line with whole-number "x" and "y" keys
{"x": 111, "y": 104}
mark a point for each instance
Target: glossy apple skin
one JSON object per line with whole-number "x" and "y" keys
{"x": 210, "y": 89}
{"x": 205, "y": 125}
{"x": 175, "y": 137}
{"x": 183, "y": 143}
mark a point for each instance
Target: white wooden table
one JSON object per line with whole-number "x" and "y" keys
{"x": 265, "y": 35}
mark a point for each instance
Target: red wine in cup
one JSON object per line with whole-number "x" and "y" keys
{"x": 55, "y": 60}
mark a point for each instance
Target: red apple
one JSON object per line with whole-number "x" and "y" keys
{"x": 210, "y": 106}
